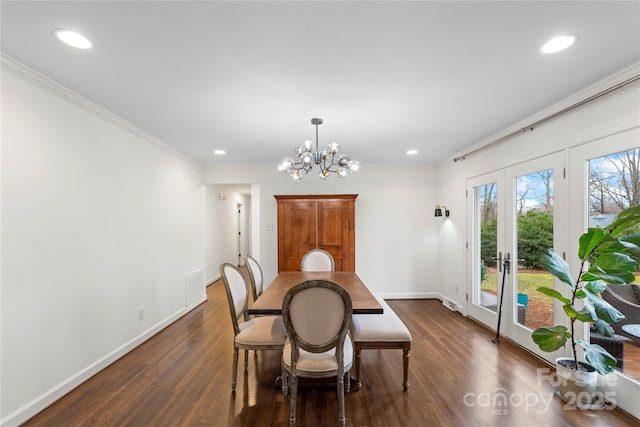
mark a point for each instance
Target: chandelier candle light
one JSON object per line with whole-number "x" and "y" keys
{"x": 328, "y": 160}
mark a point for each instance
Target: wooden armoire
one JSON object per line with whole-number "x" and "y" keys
{"x": 316, "y": 221}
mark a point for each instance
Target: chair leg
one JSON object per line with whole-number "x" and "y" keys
{"x": 341, "y": 418}
{"x": 234, "y": 372}
{"x": 246, "y": 360}
{"x": 293, "y": 396}
{"x": 348, "y": 381}
{"x": 285, "y": 380}
{"x": 358, "y": 349}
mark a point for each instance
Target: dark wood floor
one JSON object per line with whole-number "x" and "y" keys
{"x": 181, "y": 377}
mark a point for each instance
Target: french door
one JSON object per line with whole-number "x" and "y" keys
{"x": 605, "y": 161}
{"x": 515, "y": 215}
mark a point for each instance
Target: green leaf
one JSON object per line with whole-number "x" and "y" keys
{"x": 610, "y": 276}
{"x": 584, "y": 315}
{"x": 554, "y": 294}
{"x": 603, "y": 309}
{"x": 598, "y": 357}
{"x": 625, "y": 219}
{"x": 615, "y": 261}
{"x": 626, "y": 245}
{"x": 631, "y": 243}
{"x": 589, "y": 308}
{"x": 555, "y": 265}
{"x": 621, "y": 246}
{"x": 589, "y": 241}
{"x": 550, "y": 339}
{"x": 595, "y": 286}
{"x": 603, "y": 328}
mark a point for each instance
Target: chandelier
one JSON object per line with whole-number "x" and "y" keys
{"x": 328, "y": 160}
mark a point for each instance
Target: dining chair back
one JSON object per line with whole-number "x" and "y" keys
{"x": 255, "y": 275}
{"x": 317, "y": 314}
{"x": 261, "y": 333}
{"x": 317, "y": 260}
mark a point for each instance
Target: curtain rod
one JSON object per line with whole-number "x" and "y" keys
{"x": 552, "y": 116}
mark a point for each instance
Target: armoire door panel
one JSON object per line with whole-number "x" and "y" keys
{"x": 331, "y": 217}
{"x": 301, "y": 225}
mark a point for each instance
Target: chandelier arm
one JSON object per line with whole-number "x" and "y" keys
{"x": 324, "y": 165}
{"x": 333, "y": 163}
{"x": 299, "y": 166}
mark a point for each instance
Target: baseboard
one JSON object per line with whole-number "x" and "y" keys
{"x": 50, "y": 396}
{"x": 422, "y": 295}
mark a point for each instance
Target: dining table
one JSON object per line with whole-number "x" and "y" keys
{"x": 270, "y": 302}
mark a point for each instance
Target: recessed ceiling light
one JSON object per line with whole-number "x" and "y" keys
{"x": 412, "y": 152}
{"x": 72, "y": 39}
{"x": 219, "y": 152}
{"x": 559, "y": 43}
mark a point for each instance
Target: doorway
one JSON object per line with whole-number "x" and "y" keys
{"x": 230, "y": 234}
{"x": 243, "y": 220}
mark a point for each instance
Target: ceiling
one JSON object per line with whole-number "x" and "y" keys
{"x": 386, "y": 77}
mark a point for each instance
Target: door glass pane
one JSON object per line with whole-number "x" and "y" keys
{"x": 614, "y": 185}
{"x": 534, "y": 215}
{"x": 487, "y": 221}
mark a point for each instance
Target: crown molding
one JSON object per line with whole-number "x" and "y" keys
{"x": 41, "y": 81}
{"x": 615, "y": 79}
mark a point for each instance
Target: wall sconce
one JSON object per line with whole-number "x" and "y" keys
{"x": 439, "y": 211}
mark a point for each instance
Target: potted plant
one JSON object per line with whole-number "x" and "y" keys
{"x": 605, "y": 258}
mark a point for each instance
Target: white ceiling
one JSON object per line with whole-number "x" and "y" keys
{"x": 247, "y": 77}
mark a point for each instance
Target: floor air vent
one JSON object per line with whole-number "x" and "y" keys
{"x": 450, "y": 304}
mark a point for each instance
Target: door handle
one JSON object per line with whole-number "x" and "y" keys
{"x": 507, "y": 263}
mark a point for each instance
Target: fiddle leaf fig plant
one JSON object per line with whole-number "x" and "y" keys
{"x": 606, "y": 257}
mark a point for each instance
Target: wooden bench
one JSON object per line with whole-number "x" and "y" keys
{"x": 380, "y": 331}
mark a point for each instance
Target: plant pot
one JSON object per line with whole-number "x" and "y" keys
{"x": 577, "y": 387}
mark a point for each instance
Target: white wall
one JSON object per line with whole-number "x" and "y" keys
{"x": 396, "y": 244}
{"x": 97, "y": 222}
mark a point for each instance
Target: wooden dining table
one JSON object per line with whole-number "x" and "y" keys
{"x": 270, "y": 302}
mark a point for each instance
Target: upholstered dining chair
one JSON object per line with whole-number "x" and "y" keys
{"x": 317, "y": 260}
{"x": 255, "y": 275}
{"x": 260, "y": 333}
{"x": 316, "y": 314}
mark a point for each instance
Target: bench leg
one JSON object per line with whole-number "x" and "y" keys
{"x": 405, "y": 365}
{"x": 357, "y": 349}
